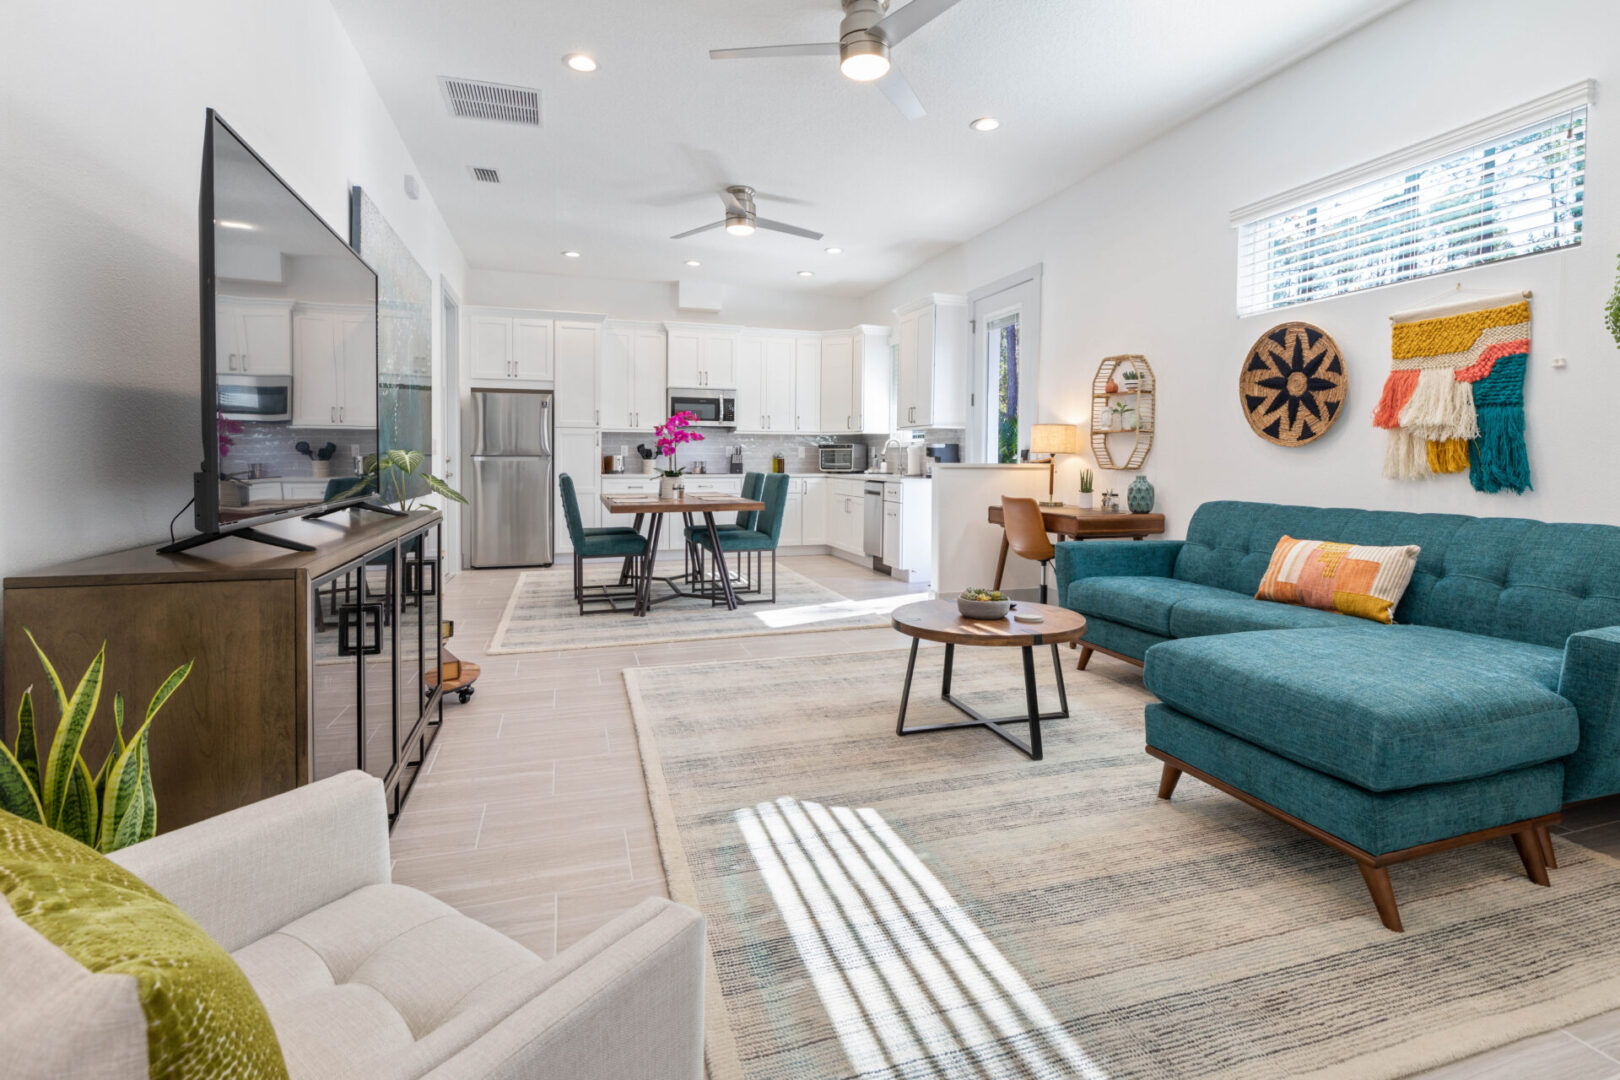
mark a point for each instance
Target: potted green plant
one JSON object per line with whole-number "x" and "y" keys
{"x": 110, "y": 809}
{"x": 390, "y": 476}
{"x": 672, "y": 435}
{"x": 1124, "y": 416}
{"x": 1131, "y": 378}
{"x": 1611, "y": 313}
{"x": 1085, "y": 489}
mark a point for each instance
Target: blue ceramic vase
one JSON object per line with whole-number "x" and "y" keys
{"x": 1139, "y": 497}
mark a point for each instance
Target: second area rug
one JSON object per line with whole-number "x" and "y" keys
{"x": 941, "y": 906}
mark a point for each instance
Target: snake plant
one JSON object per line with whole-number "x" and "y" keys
{"x": 112, "y": 809}
{"x": 1611, "y": 313}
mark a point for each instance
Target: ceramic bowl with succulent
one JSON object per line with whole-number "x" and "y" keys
{"x": 983, "y": 604}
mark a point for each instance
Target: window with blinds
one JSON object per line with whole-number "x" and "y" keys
{"x": 1506, "y": 187}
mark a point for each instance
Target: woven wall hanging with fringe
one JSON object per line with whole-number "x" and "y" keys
{"x": 1454, "y": 399}
{"x": 1293, "y": 384}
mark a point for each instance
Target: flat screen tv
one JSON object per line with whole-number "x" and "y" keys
{"x": 289, "y": 352}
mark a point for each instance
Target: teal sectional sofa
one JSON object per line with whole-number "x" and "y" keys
{"x": 1493, "y": 701}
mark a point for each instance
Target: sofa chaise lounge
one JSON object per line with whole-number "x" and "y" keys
{"x": 1492, "y": 703}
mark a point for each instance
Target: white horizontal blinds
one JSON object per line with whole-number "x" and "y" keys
{"x": 1515, "y": 193}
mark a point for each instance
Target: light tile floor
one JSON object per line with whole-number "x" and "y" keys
{"x": 532, "y": 815}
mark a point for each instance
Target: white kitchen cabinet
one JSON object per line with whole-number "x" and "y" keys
{"x": 578, "y": 453}
{"x": 334, "y": 368}
{"x": 489, "y": 346}
{"x": 531, "y": 349}
{"x": 813, "y": 512}
{"x": 792, "y": 534}
{"x": 253, "y": 337}
{"x": 838, "y": 409}
{"x": 874, "y": 379}
{"x": 807, "y": 384}
{"x": 651, "y": 396}
{"x": 631, "y": 392}
{"x": 778, "y": 383}
{"x": 577, "y": 345}
{"x": 750, "y": 402}
{"x": 846, "y": 515}
{"x": 891, "y": 534}
{"x": 907, "y": 520}
{"x": 932, "y": 380}
{"x": 703, "y": 356}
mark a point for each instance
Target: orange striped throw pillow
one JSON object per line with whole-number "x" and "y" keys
{"x": 1351, "y": 579}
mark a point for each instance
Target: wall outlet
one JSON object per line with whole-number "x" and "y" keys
{"x": 1560, "y": 362}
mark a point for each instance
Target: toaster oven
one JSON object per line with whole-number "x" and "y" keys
{"x": 843, "y": 457}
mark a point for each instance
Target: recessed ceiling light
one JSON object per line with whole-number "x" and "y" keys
{"x": 580, "y": 62}
{"x": 570, "y": 254}
{"x": 985, "y": 123}
{"x": 693, "y": 262}
{"x": 807, "y": 273}
{"x": 835, "y": 251}
{"x": 235, "y": 225}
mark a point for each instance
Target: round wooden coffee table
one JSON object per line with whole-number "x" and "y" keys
{"x": 938, "y": 620}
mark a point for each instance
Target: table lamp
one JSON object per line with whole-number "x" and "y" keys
{"x": 1052, "y": 440}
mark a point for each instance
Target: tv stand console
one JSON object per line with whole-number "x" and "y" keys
{"x": 313, "y": 656}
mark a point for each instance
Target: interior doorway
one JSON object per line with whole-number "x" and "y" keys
{"x": 1005, "y": 372}
{"x": 449, "y": 463}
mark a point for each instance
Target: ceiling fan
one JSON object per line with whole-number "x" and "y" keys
{"x": 868, "y": 32}
{"x": 740, "y": 219}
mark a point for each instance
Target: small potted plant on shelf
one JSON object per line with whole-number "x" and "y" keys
{"x": 1085, "y": 489}
{"x": 1131, "y": 378}
{"x": 1124, "y": 416}
{"x": 672, "y": 434}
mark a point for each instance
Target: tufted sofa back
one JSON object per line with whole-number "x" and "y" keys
{"x": 1513, "y": 578}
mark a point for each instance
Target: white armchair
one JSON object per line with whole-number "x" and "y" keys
{"x": 364, "y": 978}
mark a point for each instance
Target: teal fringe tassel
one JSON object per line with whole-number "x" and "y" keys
{"x": 1498, "y": 460}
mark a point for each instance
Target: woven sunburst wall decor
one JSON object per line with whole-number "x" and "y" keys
{"x": 1293, "y": 384}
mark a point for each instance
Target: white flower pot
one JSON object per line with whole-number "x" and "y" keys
{"x": 668, "y": 486}
{"x": 1085, "y": 500}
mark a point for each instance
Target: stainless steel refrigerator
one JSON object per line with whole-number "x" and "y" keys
{"x": 513, "y": 477}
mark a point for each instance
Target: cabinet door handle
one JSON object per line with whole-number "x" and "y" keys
{"x": 333, "y": 417}
{"x": 598, "y": 416}
{"x": 244, "y": 361}
{"x": 343, "y": 414}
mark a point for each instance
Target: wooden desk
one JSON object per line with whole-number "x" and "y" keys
{"x": 707, "y": 505}
{"x": 1073, "y": 523}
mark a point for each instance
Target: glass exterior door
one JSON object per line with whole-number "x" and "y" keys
{"x": 378, "y": 620}
{"x": 334, "y": 743}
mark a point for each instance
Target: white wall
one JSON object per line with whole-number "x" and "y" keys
{"x": 1141, "y": 258}
{"x": 654, "y": 301}
{"x": 101, "y": 127}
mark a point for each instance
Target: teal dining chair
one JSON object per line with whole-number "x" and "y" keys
{"x": 754, "y": 543}
{"x": 752, "y": 487}
{"x": 617, "y": 542}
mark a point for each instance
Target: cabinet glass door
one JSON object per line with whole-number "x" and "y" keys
{"x": 421, "y": 578}
{"x": 334, "y": 742}
{"x": 432, "y": 591}
{"x": 378, "y": 621}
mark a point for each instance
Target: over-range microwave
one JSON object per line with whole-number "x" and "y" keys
{"x": 713, "y": 408}
{"x": 843, "y": 457}
{"x": 254, "y": 397}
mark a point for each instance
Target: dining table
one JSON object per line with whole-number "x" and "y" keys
{"x": 651, "y": 510}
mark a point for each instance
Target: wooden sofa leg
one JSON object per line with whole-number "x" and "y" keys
{"x": 1383, "y": 895}
{"x": 1544, "y": 834}
{"x": 1167, "y": 780}
{"x": 1535, "y": 863}
{"x": 1085, "y": 657}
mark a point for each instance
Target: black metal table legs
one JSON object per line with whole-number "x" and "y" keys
{"x": 1032, "y": 716}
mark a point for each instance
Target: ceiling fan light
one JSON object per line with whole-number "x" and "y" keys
{"x": 864, "y": 60}
{"x": 739, "y": 226}
{"x": 582, "y": 62}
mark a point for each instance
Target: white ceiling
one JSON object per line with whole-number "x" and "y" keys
{"x": 638, "y": 150}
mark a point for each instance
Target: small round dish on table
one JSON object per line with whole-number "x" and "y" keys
{"x": 938, "y": 620}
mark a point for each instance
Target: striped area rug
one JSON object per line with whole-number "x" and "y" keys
{"x": 541, "y": 615}
{"x": 940, "y": 906}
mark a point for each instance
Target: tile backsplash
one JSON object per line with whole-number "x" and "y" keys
{"x": 800, "y": 451}
{"x": 271, "y": 445}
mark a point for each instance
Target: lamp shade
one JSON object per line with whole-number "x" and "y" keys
{"x": 1054, "y": 439}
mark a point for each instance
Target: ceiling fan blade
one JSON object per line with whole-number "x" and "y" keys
{"x": 700, "y": 228}
{"x": 732, "y": 205}
{"x": 768, "y": 52}
{"x": 792, "y": 230}
{"x": 901, "y": 23}
{"x": 900, "y": 94}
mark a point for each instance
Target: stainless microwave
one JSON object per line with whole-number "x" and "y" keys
{"x": 713, "y": 408}
{"x": 843, "y": 457}
{"x": 254, "y": 397}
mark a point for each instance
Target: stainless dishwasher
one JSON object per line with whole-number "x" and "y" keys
{"x": 872, "y": 538}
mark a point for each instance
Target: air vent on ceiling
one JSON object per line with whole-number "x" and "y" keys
{"x": 488, "y": 176}
{"x": 475, "y": 100}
